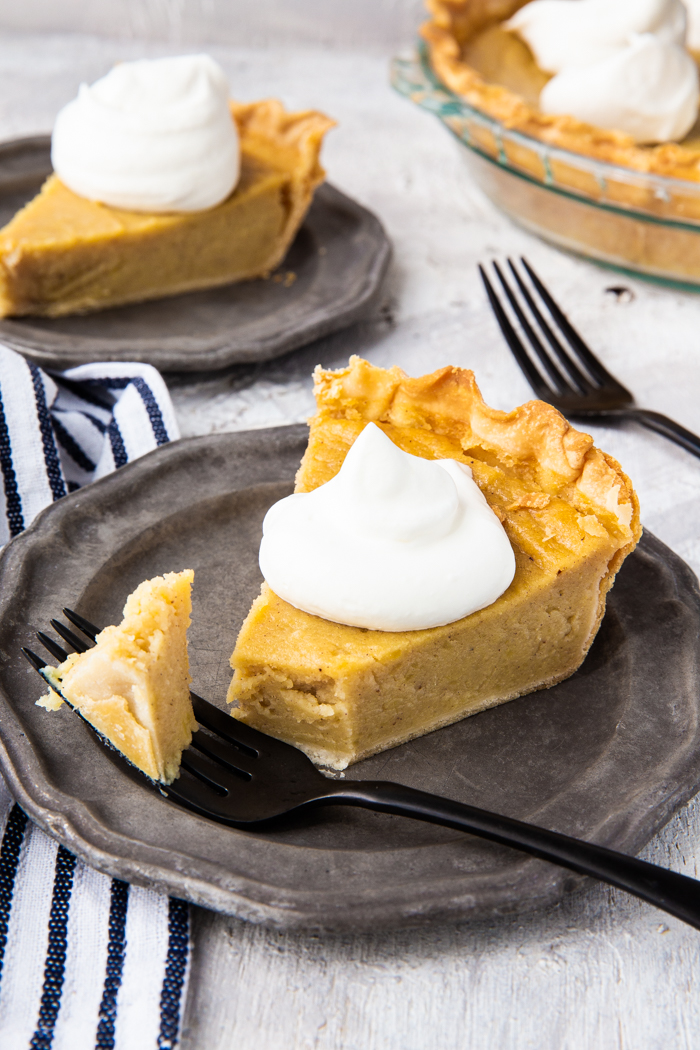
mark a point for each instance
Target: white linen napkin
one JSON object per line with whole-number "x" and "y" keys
{"x": 85, "y": 960}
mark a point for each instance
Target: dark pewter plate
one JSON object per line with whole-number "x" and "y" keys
{"x": 608, "y": 755}
{"x": 339, "y": 257}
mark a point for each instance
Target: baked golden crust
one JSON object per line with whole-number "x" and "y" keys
{"x": 64, "y": 254}
{"x": 268, "y": 132}
{"x": 533, "y": 440}
{"x": 342, "y": 693}
{"x": 266, "y": 127}
{"x": 454, "y": 23}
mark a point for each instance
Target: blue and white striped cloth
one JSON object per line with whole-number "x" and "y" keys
{"x": 85, "y": 960}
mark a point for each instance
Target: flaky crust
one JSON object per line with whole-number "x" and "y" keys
{"x": 267, "y": 124}
{"x": 268, "y": 130}
{"x": 534, "y": 439}
{"x": 454, "y": 22}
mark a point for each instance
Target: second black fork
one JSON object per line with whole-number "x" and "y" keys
{"x": 559, "y": 366}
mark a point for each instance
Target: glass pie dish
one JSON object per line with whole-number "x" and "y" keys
{"x": 636, "y": 222}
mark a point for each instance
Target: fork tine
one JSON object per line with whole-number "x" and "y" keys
{"x": 560, "y": 382}
{"x": 519, "y": 352}
{"x": 192, "y": 793}
{"x": 593, "y": 365}
{"x": 237, "y": 733}
{"x": 205, "y": 770}
{"x": 233, "y": 759}
{"x": 68, "y": 636}
{"x": 82, "y": 624}
{"x": 48, "y": 643}
{"x": 36, "y": 661}
{"x": 249, "y": 741}
{"x": 579, "y": 379}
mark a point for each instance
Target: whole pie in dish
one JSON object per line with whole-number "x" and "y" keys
{"x": 342, "y": 693}
{"x": 64, "y": 254}
{"x": 475, "y": 56}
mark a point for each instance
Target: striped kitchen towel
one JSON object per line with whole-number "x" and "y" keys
{"x": 85, "y": 960}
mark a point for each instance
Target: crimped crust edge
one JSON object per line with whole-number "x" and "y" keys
{"x": 442, "y": 35}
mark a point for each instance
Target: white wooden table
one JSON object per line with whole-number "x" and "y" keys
{"x": 602, "y": 970}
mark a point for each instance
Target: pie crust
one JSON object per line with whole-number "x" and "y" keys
{"x": 454, "y": 24}
{"x": 64, "y": 254}
{"x": 342, "y": 693}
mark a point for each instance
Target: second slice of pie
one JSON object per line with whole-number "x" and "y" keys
{"x": 63, "y": 254}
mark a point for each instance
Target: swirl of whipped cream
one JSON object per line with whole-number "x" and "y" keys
{"x": 566, "y": 33}
{"x": 649, "y": 90}
{"x": 153, "y": 135}
{"x": 693, "y": 8}
{"x": 620, "y": 64}
{"x": 392, "y": 543}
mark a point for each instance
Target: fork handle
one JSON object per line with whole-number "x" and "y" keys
{"x": 676, "y": 894}
{"x": 662, "y": 425}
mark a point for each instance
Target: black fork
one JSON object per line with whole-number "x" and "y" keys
{"x": 560, "y": 367}
{"x": 235, "y": 775}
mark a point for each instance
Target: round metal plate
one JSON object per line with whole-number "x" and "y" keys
{"x": 607, "y": 755}
{"x": 338, "y": 260}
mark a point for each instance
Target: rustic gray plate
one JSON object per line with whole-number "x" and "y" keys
{"x": 339, "y": 257}
{"x": 607, "y": 755}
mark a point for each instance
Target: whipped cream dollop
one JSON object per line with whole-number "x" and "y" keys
{"x": 620, "y": 64}
{"x": 566, "y": 33}
{"x": 393, "y": 542}
{"x": 693, "y": 9}
{"x": 153, "y": 135}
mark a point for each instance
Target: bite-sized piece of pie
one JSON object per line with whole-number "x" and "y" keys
{"x": 477, "y": 53}
{"x": 134, "y": 685}
{"x": 341, "y": 693}
{"x": 64, "y": 254}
